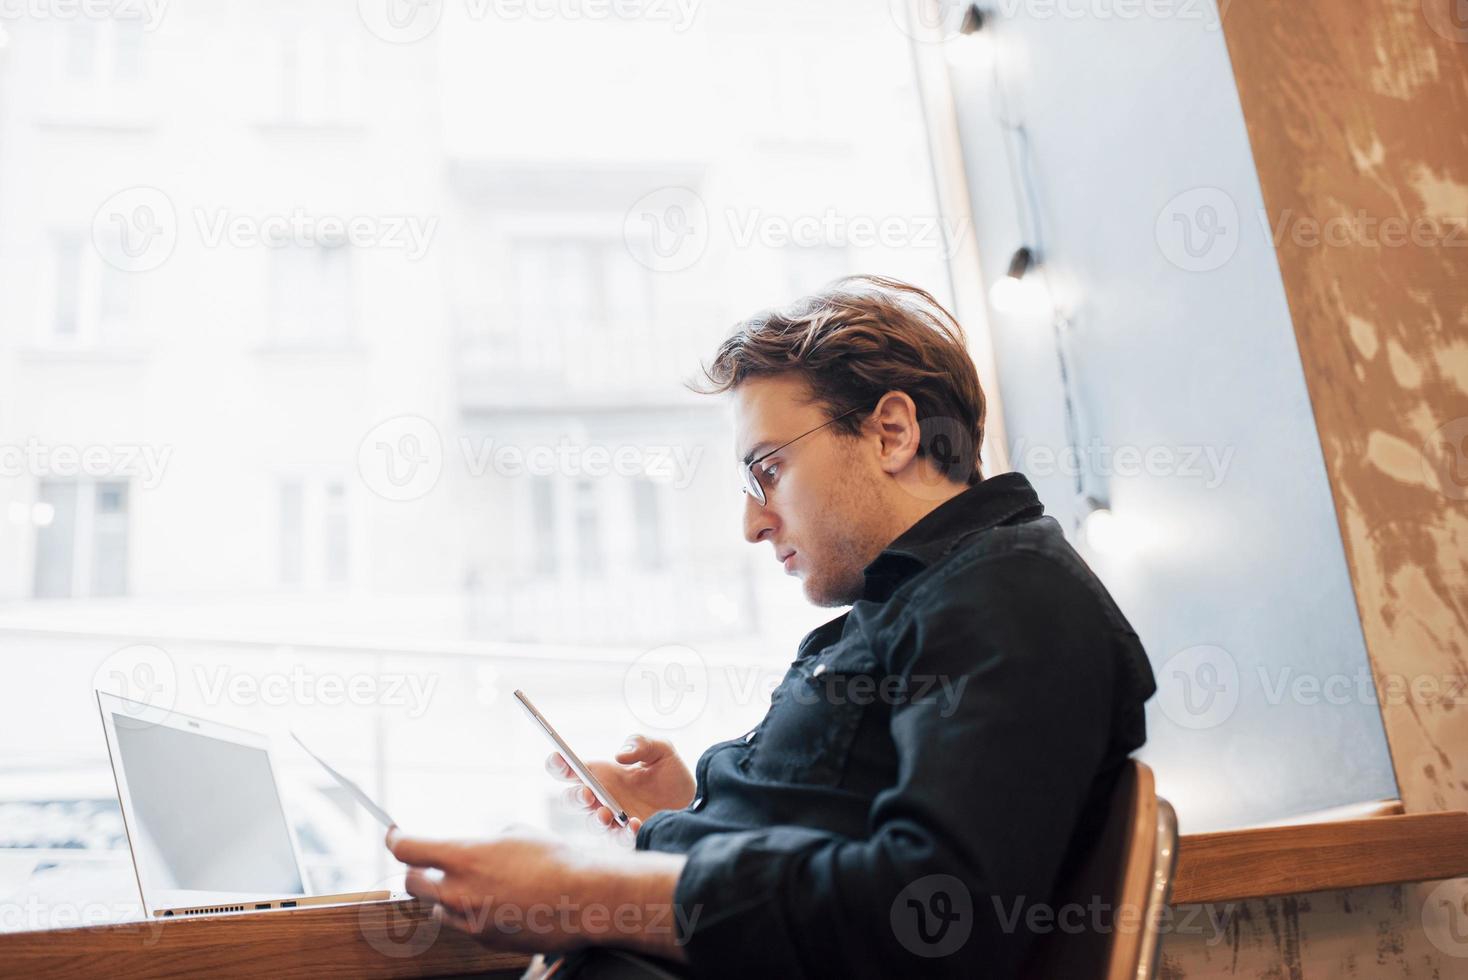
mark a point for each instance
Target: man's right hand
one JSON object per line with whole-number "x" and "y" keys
{"x": 645, "y": 776}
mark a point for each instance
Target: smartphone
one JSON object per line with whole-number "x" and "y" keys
{"x": 574, "y": 761}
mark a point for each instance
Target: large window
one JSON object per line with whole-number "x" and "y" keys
{"x": 342, "y": 386}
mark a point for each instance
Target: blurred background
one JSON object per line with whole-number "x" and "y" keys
{"x": 377, "y": 342}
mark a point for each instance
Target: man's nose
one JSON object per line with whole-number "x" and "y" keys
{"x": 759, "y": 521}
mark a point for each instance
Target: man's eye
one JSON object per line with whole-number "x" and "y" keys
{"x": 770, "y": 472}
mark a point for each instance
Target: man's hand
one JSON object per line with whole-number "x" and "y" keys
{"x": 645, "y": 776}
{"x": 534, "y": 894}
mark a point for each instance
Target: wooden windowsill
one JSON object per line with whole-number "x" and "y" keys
{"x": 376, "y": 939}
{"x": 1313, "y": 857}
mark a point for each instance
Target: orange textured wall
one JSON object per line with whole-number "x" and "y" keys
{"x": 1358, "y": 119}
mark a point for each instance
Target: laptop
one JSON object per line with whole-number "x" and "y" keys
{"x": 203, "y": 815}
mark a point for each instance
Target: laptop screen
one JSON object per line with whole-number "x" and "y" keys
{"x": 206, "y": 812}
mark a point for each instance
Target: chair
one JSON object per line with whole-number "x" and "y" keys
{"x": 1129, "y": 871}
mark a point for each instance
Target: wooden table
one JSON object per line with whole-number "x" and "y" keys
{"x": 375, "y": 939}
{"x": 401, "y": 939}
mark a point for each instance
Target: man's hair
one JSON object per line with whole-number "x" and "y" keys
{"x": 857, "y": 339}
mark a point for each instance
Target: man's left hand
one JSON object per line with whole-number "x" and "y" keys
{"x": 522, "y": 891}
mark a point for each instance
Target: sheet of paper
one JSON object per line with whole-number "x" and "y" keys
{"x": 15, "y": 870}
{"x": 367, "y": 802}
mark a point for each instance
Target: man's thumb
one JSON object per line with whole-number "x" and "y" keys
{"x": 640, "y": 748}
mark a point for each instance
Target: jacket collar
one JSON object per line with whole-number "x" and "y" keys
{"x": 1002, "y": 499}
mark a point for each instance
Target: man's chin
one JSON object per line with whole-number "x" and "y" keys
{"x": 822, "y": 592}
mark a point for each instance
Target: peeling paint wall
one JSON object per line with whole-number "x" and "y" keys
{"x": 1358, "y": 119}
{"x": 1366, "y": 933}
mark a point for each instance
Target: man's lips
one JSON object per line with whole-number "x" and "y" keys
{"x": 786, "y": 558}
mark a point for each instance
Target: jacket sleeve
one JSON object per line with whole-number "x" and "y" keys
{"x": 992, "y": 778}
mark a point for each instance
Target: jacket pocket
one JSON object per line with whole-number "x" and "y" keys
{"x": 807, "y": 735}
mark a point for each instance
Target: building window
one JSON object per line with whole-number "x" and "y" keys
{"x": 104, "y": 50}
{"x": 81, "y": 48}
{"x": 89, "y": 296}
{"x": 318, "y": 77}
{"x": 582, "y": 307}
{"x": 314, "y": 527}
{"x": 334, "y": 528}
{"x": 310, "y": 296}
{"x": 590, "y": 553}
{"x": 82, "y": 540}
{"x": 648, "y": 525}
{"x": 292, "y": 503}
{"x": 543, "y": 524}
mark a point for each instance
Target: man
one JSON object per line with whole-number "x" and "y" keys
{"x": 934, "y": 758}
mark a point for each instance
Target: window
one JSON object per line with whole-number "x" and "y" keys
{"x": 82, "y": 540}
{"x": 573, "y": 297}
{"x": 647, "y": 519}
{"x": 67, "y": 250}
{"x": 81, "y": 48}
{"x": 311, "y": 296}
{"x": 590, "y": 550}
{"x": 89, "y": 296}
{"x": 314, "y": 531}
{"x": 98, "y": 51}
{"x": 318, "y": 77}
{"x": 543, "y": 521}
{"x": 537, "y": 320}
{"x": 292, "y": 532}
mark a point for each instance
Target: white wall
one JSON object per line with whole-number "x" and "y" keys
{"x": 1172, "y": 350}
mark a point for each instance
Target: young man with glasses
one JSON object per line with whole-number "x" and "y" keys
{"x": 934, "y": 759}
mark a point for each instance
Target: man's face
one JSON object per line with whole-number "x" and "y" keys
{"x": 824, "y": 513}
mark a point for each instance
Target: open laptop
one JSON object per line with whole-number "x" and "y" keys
{"x": 203, "y": 815}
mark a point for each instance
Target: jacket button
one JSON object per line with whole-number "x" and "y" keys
{"x": 820, "y": 669}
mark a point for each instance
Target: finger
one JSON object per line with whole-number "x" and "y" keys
{"x": 578, "y": 797}
{"x": 425, "y": 852}
{"x": 648, "y": 751}
{"x": 598, "y": 818}
{"x": 424, "y": 883}
{"x": 471, "y": 915}
{"x": 627, "y": 836}
{"x": 557, "y": 767}
{"x": 448, "y": 916}
{"x": 640, "y": 748}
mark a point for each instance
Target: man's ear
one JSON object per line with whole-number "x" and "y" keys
{"x": 896, "y": 425}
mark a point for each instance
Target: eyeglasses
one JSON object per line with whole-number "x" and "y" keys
{"x": 752, "y": 485}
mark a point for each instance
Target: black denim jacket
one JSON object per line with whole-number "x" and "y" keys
{"x": 925, "y": 766}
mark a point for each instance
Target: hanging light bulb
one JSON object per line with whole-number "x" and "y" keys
{"x": 1020, "y": 292}
{"x": 973, "y": 21}
{"x": 1103, "y": 529}
{"x": 972, "y": 44}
